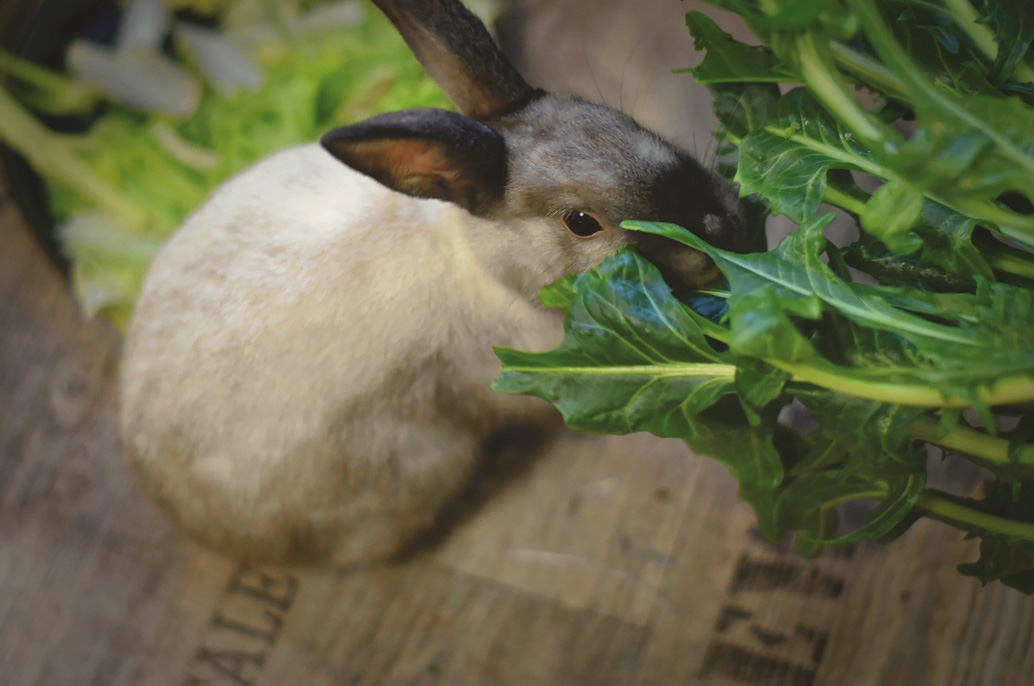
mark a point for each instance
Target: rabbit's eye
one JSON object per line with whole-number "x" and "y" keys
{"x": 582, "y": 224}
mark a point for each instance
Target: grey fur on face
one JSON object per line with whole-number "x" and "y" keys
{"x": 567, "y": 154}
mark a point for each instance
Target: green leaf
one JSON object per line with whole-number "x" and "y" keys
{"x": 990, "y": 335}
{"x": 981, "y": 149}
{"x": 808, "y": 505}
{"x": 1002, "y": 557}
{"x": 891, "y": 213}
{"x": 1014, "y": 32}
{"x": 634, "y": 358}
{"x": 758, "y": 385}
{"x": 948, "y": 243}
{"x": 743, "y": 108}
{"x": 889, "y": 514}
{"x": 786, "y": 161}
{"x": 871, "y": 433}
{"x": 801, "y": 278}
{"x": 932, "y": 37}
{"x": 873, "y": 258}
{"x": 560, "y": 294}
{"x": 730, "y": 61}
{"x": 750, "y": 454}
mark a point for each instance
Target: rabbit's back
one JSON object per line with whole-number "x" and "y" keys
{"x": 272, "y": 298}
{"x": 295, "y": 332}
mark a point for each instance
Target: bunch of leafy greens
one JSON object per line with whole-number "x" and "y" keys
{"x": 126, "y": 183}
{"x": 920, "y": 334}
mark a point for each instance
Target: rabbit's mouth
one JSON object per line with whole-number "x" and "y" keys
{"x": 682, "y": 267}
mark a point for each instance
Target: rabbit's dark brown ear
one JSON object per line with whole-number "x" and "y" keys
{"x": 427, "y": 154}
{"x": 460, "y": 55}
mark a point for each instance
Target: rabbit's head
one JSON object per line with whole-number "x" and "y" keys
{"x": 564, "y": 170}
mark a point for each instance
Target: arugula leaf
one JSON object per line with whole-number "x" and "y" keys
{"x": 870, "y": 433}
{"x": 1014, "y": 32}
{"x": 730, "y": 61}
{"x": 636, "y": 359}
{"x": 787, "y": 159}
{"x": 797, "y": 273}
{"x": 890, "y": 214}
{"x": 1006, "y": 555}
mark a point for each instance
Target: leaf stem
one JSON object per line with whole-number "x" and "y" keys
{"x": 1004, "y": 391}
{"x": 869, "y": 71}
{"x": 829, "y": 88}
{"x": 988, "y": 449}
{"x": 834, "y": 196}
{"x": 47, "y": 90}
{"x": 1009, "y": 264}
{"x": 654, "y": 369}
{"x": 950, "y": 510}
{"x": 1006, "y": 258}
{"x": 41, "y": 147}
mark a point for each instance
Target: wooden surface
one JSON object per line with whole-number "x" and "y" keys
{"x": 601, "y": 561}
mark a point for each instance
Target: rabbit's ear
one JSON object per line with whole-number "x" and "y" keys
{"x": 427, "y": 154}
{"x": 460, "y": 55}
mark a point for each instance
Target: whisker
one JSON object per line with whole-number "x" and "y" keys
{"x": 624, "y": 71}
{"x": 588, "y": 63}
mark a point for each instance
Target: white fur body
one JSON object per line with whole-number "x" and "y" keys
{"x": 307, "y": 376}
{"x": 307, "y": 373}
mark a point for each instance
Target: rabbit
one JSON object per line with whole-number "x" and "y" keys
{"x": 306, "y": 377}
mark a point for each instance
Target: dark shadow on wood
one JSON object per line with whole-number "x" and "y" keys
{"x": 507, "y": 457}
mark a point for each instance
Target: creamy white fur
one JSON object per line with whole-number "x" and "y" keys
{"x": 289, "y": 303}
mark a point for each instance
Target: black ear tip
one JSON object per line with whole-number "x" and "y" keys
{"x": 339, "y": 142}
{"x": 332, "y": 138}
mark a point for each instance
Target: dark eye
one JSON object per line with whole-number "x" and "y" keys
{"x": 582, "y": 224}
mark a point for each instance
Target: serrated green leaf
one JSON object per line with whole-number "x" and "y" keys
{"x": 934, "y": 39}
{"x": 1003, "y": 557}
{"x": 948, "y": 243}
{"x": 992, "y": 336}
{"x": 730, "y": 61}
{"x": 796, "y": 271}
{"x": 742, "y": 108}
{"x": 889, "y": 514}
{"x": 634, "y": 358}
{"x": 1014, "y": 31}
{"x": 872, "y": 434}
{"x": 750, "y": 454}
{"x": 786, "y": 161}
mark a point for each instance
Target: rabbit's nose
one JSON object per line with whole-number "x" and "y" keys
{"x": 734, "y": 231}
{"x": 714, "y": 226}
